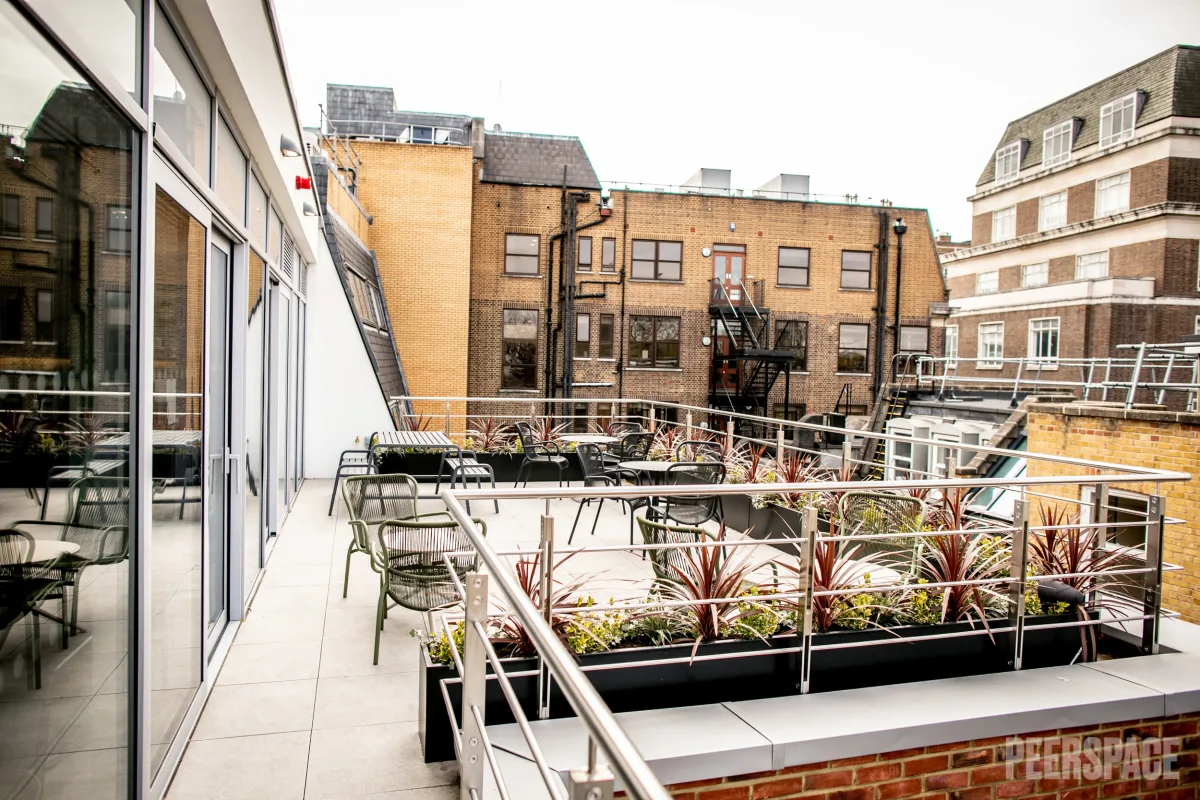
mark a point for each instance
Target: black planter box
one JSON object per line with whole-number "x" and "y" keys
{"x": 504, "y": 465}
{"x": 905, "y": 654}
{"x": 392, "y": 462}
{"x": 30, "y": 471}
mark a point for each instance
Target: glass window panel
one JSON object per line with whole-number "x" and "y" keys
{"x": 117, "y": 235}
{"x": 606, "y": 336}
{"x": 1035, "y": 274}
{"x": 1112, "y": 195}
{"x": 1056, "y": 143}
{"x": 583, "y": 334}
{"x": 274, "y": 237}
{"x": 44, "y": 218}
{"x": 670, "y": 251}
{"x": 669, "y": 271}
{"x": 856, "y": 270}
{"x": 10, "y": 215}
{"x": 521, "y": 254}
{"x": 1052, "y": 211}
{"x": 1091, "y": 266}
{"x": 1004, "y": 224}
{"x": 585, "y": 252}
{"x": 643, "y": 270}
{"x": 793, "y": 257}
{"x": 258, "y": 213}
{"x": 231, "y": 172}
{"x": 519, "y": 349}
{"x": 643, "y": 250}
{"x": 991, "y": 344}
{"x": 987, "y": 282}
{"x": 952, "y": 345}
{"x": 182, "y": 106}
{"x": 608, "y": 255}
{"x": 914, "y": 339}
{"x": 854, "y": 336}
{"x": 81, "y": 151}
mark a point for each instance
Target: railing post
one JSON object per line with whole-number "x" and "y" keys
{"x": 729, "y": 435}
{"x": 546, "y": 546}
{"x": 687, "y": 430}
{"x": 1100, "y": 542}
{"x": 653, "y": 424}
{"x": 447, "y": 418}
{"x": 1137, "y": 373}
{"x": 1152, "y": 581}
{"x": 847, "y": 453}
{"x": 474, "y": 689}
{"x": 594, "y": 783}
{"x": 808, "y": 560}
{"x": 1016, "y": 590}
{"x": 1017, "y": 383}
{"x": 1162, "y": 392}
{"x": 779, "y": 443}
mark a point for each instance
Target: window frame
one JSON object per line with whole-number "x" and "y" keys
{"x": 10, "y": 226}
{"x": 1012, "y": 148}
{"x": 951, "y": 358}
{"x": 532, "y": 366}
{"x": 979, "y": 289}
{"x": 780, "y": 267}
{"x": 602, "y": 345}
{"x": 800, "y": 363}
{"x": 986, "y": 360}
{"x": 1079, "y": 265}
{"x": 902, "y": 350}
{"x": 1043, "y": 205}
{"x": 658, "y": 260}
{"x": 1010, "y": 213}
{"x": 866, "y": 350}
{"x": 583, "y": 326}
{"x": 1044, "y": 272}
{"x": 656, "y": 321}
{"x": 1120, "y": 104}
{"x": 45, "y": 234}
{"x": 109, "y": 229}
{"x": 1053, "y": 132}
{"x": 18, "y": 294}
{"x": 537, "y": 257}
{"x": 608, "y": 254}
{"x": 1050, "y": 361}
{"x": 580, "y": 264}
{"x": 1127, "y": 183}
{"x": 869, "y": 271}
{"x": 38, "y": 321}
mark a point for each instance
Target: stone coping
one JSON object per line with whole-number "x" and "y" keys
{"x": 1116, "y": 411}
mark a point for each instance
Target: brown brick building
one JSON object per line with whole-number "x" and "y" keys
{"x": 458, "y": 212}
{"x": 1085, "y": 232}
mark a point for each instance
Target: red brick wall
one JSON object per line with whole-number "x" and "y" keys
{"x": 975, "y": 770}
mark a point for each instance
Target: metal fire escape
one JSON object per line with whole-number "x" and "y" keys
{"x": 744, "y": 365}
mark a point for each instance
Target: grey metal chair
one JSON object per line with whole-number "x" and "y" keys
{"x": 699, "y": 450}
{"x": 537, "y": 452}
{"x": 597, "y": 473}
{"x": 698, "y": 509}
{"x": 634, "y": 446}
{"x": 410, "y": 557}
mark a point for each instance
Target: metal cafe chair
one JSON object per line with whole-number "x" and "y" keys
{"x": 668, "y": 562}
{"x": 698, "y": 509}
{"x": 633, "y": 446}
{"x": 371, "y": 500}
{"x": 597, "y": 473}
{"x": 23, "y": 586}
{"x": 351, "y": 462}
{"x": 537, "y": 452}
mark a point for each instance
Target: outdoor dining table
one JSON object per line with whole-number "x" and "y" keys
{"x": 403, "y": 440}
{"x": 589, "y": 438}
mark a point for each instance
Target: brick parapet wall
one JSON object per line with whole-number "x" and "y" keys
{"x": 1141, "y": 438}
{"x": 971, "y": 770}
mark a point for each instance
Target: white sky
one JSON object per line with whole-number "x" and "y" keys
{"x": 904, "y": 101}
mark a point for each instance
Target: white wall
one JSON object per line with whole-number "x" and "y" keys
{"x": 342, "y": 399}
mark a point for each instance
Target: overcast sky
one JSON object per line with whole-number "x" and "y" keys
{"x": 904, "y": 101}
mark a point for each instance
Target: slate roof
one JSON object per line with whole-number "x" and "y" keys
{"x": 1171, "y": 81}
{"x": 371, "y": 111}
{"x": 349, "y": 253}
{"x": 531, "y": 159}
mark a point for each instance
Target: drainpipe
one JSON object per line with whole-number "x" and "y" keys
{"x": 624, "y": 238}
{"x": 900, "y": 228}
{"x": 880, "y": 304}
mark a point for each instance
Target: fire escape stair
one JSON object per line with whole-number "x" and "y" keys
{"x": 891, "y": 406}
{"x": 757, "y": 365}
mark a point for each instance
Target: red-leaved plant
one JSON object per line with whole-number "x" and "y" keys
{"x": 510, "y": 631}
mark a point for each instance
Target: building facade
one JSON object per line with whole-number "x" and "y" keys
{"x": 644, "y": 318}
{"x": 1085, "y": 232}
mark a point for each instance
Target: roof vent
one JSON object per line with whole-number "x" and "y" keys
{"x": 785, "y": 186}
{"x": 708, "y": 181}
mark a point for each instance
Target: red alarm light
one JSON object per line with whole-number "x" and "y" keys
{"x": 303, "y": 183}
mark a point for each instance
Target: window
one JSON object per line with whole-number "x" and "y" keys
{"x": 791, "y": 411}
{"x": 182, "y": 106}
{"x": 654, "y": 342}
{"x": 793, "y": 266}
{"x": 116, "y": 337}
{"x": 1008, "y": 162}
{"x": 1112, "y": 195}
{"x": 608, "y": 255}
{"x": 1004, "y": 224}
{"x": 991, "y": 344}
{"x": 583, "y": 334}
{"x": 1091, "y": 266}
{"x": 852, "y": 347}
{"x": 1116, "y": 120}
{"x": 231, "y": 172}
{"x": 274, "y": 235}
{"x": 118, "y": 232}
{"x": 1035, "y": 274}
{"x": 914, "y": 339}
{"x": 44, "y": 328}
{"x": 606, "y": 336}
{"x": 579, "y": 418}
{"x": 1056, "y": 143}
{"x": 1052, "y": 211}
{"x": 952, "y": 346}
{"x": 987, "y": 282}
{"x": 1043, "y": 339}
{"x": 521, "y": 254}
{"x": 656, "y": 261}
{"x": 856, "y": 269}
{"x": 10, "y": 215}
{"x": 519, "y": 369}
{"x": 43, "y": 218}
{"x": 584, "y": 261}
{"x": 258, "y": 213}
{"x": 12, "y": 312}
{"x": 791, "y": 334}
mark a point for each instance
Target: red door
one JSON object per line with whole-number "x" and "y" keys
{"x": 729, "y": 262}
{"x": 725, "y": 371}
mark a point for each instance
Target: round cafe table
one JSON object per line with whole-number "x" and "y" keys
{"x": 589, "y": 438}
{"x": 50, "y": 549}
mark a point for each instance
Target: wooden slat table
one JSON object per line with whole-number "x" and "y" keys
{"x": 403, "y": 440}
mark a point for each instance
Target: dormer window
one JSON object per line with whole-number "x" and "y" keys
{"x": 1056, "y": 143}
{"x": 1008, "y": 162}
{"x": 1117, "y": 120}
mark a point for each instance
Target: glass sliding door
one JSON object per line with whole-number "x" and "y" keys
{"x": 217, "y": 447}
{"x": 254, "y": 489}
{"x": 67, "y": 241}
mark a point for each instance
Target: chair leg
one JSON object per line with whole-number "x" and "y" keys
{"x": 36, "y": 653}
{"x": 66, "y": 628}
{"x": 463, "y": 476}
{"x": 599, "y": 508}
{"x": 577, "y": 513}
{"x": 77, "y": 584}
{"x": 346, "y": 582}
{"x": 333, "y": 495}
{"x": 495, "y": 503}
{"x": 379, "y": 614}
{"x": 520, "y": 471}
{"x": 560, "y": 474}
{"x": 183, "y": 497}
{"x": 45, "y": 499}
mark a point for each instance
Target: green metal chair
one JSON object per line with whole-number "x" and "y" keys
{"x": 410, "y": 557}
{"x": 23, "y": 587}
{"x": 371, "y": 500}
{"x": 880, "y": 513}
{"x": 666, "y": 562}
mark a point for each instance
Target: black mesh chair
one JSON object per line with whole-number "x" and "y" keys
{"x": 668, "y": 563}
{"x": 351, "y": 462}
{"x": 374, "y": 499}
{"x": 633, "y": 446}
{"x": 699, "y": 450}
{"x": 24, "y": 585}
{"x": 410, "y": 556}
{"x": 98, "y": 521}
{"x": 698, "y": 509}
{"x": 621, "y": 427}
{"x": 597, "y": 473}
{"x": 537, "y": 452}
